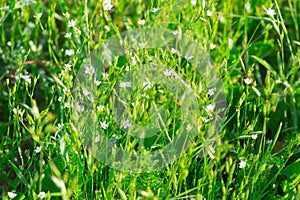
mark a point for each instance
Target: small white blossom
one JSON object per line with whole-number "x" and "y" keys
{"x": 142, "y": 45}
{"x": 254, "y": 136}
{"x": 70, "y": 52}
{"x": 9, "y": 43}
{"x": 270, "y": 11}
{"x": 59, "y": 126}
{"x": 269, "y": 141}
{"x": 125, "y": 84}
{"x": 248, "y": 6}
{"x": 38, "y": 149}
{"x": 89, "y": 70}
{"x": 211, "y": 92}
{"x": 105, "y": 76}
{"x": 127, "y": 68}
{"x": 210, "y": 107}
{"x": 104, "y": 125}
{"x": 212, "y": 46}
{"x": 205, "y": 119}
{"x": 68, "y": 35}
{"x": 141, "y": 22}
{"x": 11, "y": 195}
{"x": 133, "y": 60}
{"x": 188, "y": 57}
{"x": 59, "y": 98}
{"x": 126, "y": 124}
{"x": 106, "y": 28}
{"x": 242, "y": 164}
{"x": 67, "y": 105}
{"x": 68, "y": 67}
{"x": 108, "y": 7}
{"x": 168, "y": 72}
{"x": 173, "y": 51}
{"x": 154, "y": 10}
{"x": 71, "y": 23}
{"x": 26, "y": 78}
{"x": 38, "y": 16}
{"x": 209, "y": 13}
{"x": 100, "y": 108}
{"x": 193, "y": 2}
{"x": 248, "y": 81}
{"x": 189, "y": 127}
{"x": 97, "y": 82}
{"x": 41, "y": 195}
{"x": 85, "y": 92}
{"x": 146, "y": 85}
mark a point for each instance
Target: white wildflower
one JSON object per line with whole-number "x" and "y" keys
{"x": 59, "y": 98}
{"x": 67, "y": 105}
{"x": 189, "y": 127}
{"x": 248, "y": 81}
{"x": 71, "y": 23}
{"x": 193, "y": 2}
{"x": 269, "y": 141}
{"x": 209, "y": 13}
{"x": 168, "y": 72}
{"x": 70, "y": 52}
{"x": 105, "y": 76}
{"x": 211, "y": 92}
{"x": 212, "y": 46}
{"x": 125, "y": 84}
{"x": 60, "y": 126}
{"x": 141, "y": 22}
{"x": 97, "y": 82}
{"x": 68, "y": 35}
{"x": 154, "y": 10}
{"x": 11, "y": 195}
{"x": 205, "y": 119}
{"x": 146, "y": 85}
{"x": 242, "y": 164}
{"x": 41, "y": 195}
{"x": 248, "y": 6}
{"x": 89, "y": 70}
{"x": 38, "y": 149}
{"x": 270, "y": 11}
{"x": 254, "y": 136}
{"x": 26, "y": 78}
{"x": 104, "y": 125}
{"x": 210, "y": 107}
{"x": 9, "y": 43}
{"x": 126, "y": 124}
{"x": 100, "y": 108}
{"x": 85, "y": 92}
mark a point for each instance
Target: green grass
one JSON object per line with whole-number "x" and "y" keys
{"x": 45, "y": 147}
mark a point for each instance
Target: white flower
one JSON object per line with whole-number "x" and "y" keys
{"x": 59, "y": 126}
{"x": 189, "y": 127}
{"x": 69, "y": 52}
{"x": 127, "y": 68}
{"x": 248, "y": 81}
{"x": 104, "y": 125}
{"x": 141, "y": 22}
{"x": 105, "y": 76}
{"x": 209, "y": 13}
{"x": 67, "y": 105}
{"x": 71, "y": 23}
{"x": 154, "y": 10}
{"x": 146, "y": 85}
{"x": 210, "y": 107}
{"x": 9, "y": 43}
{"x": 97, "y": 82}
{"x": 38, "y": 16}
{"x": 211, "y": 92}
{"x": 11, "y": 195}
{"x": 168, "y": 72}
{"x": 108, "y": 7}
{"x": 205, "y": 119}
{"x": 271, "y": 12}
{"x": 212, "y": 46}
{"x": 85, "y": 92}
{"x": 142, "y": 45}
{"x": 173, "y": 50}
{"x": 100, "y": 108}
{"x": 193, "y": 2}
{"x": 188, "y": 57}
{"x": 248, "y": 6}
{"x": 126, "y": 124}
{"x": 89, "y": 70}
{"x": 68, "y": 35}
{"x": 133, "y": 60}
{"x": 254, "y": 136}
{"x": 106, "y": 28}
{"x": 59, "y": 98}
{"x": 26, "y": 78}
{"x": 269, "y": 141}
{"x": 38, "y": 149}
{"x": 125, "y": 84}
{"x": 68, "y": 67}
{"x": 242, "y": 164}
{"x": 41, "y": 195}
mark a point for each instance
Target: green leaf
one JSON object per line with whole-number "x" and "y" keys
{"x": 292, "y": 169}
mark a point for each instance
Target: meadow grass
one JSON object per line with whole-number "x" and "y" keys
{"x": 254, "y": 46}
